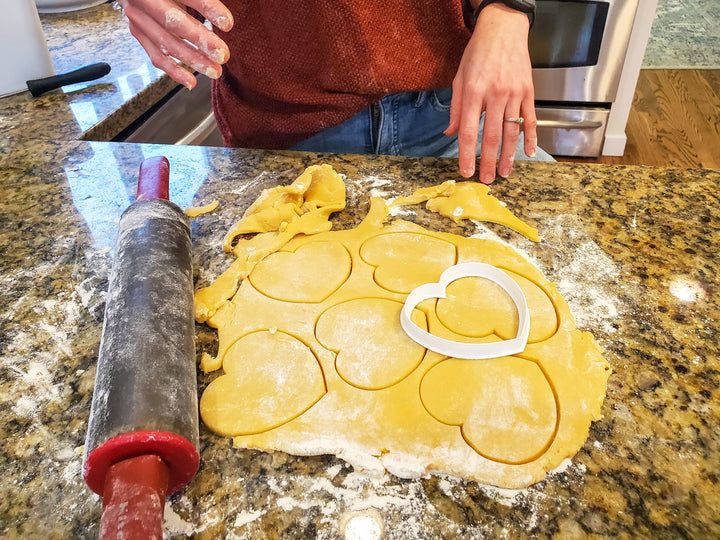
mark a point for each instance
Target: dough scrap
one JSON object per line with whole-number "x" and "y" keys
{"x": 468, "y": 200}
{"x": 314, "y": 359}
{"x": 194, "y": 211}
{"x": 280, "y": 213}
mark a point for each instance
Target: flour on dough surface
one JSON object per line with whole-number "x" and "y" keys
{"x": 338, "y": 375}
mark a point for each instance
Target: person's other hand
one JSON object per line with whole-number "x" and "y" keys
{"x": 168, "y": 33}
{"x": 495, "y": 76}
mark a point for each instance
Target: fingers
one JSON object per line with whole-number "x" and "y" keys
{"x": 491, "y": 140}
{"x": 499, "y": 135}
{"x": 530, "y": 126}
{"x": 167, "y": 32}
{"x": 466, "y": 107}
{"x": 510, "y": 137}
{"x": 214, "y": 11}
{"x": 161, "y": 59}
{"x": 455, "y": 108}
{"x": 467, "y": 131}
{"x": 163, "y": 18}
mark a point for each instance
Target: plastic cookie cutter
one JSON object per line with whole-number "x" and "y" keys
{"x": 457, "y": 349}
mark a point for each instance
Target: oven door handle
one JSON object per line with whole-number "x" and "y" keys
{"x": 569, "y": 124}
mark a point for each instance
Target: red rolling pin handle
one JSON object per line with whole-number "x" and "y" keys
{"x": 154, "y": 179}
{"x": 134, "y": 498}
{"x": 143, "y": 432}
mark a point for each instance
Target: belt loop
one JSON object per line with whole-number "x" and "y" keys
{"x": 420, "y": 99}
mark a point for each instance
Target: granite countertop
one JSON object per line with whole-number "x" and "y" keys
{"x": 631, "y": 248}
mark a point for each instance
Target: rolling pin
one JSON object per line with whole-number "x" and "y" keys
{"x": 142, "y": 439}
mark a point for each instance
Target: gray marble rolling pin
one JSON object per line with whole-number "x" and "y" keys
{"x": 142, "y": 440}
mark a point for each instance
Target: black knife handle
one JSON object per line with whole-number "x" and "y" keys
{"x": 87, "y": 73}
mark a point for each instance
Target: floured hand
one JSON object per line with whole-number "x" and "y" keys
{"x": 172, "y": 37}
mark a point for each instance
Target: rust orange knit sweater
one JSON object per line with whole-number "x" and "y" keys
{"x": 299, "y": 66}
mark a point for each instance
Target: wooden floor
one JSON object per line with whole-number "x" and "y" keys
{"x": 674, "y": 121}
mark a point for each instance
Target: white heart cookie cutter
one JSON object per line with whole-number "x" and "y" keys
{"x": 457, "y": 349}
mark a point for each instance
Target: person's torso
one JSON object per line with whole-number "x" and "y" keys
{"x": 319, "y": 62}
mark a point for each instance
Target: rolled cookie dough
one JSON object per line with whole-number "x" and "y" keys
{"x": 315, "y": 361}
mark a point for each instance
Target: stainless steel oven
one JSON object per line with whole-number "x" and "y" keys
{"x": 577, "y": 49}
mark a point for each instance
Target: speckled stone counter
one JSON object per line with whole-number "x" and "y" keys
{"x": 631, "y": 248}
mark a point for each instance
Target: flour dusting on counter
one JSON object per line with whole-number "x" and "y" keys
{"x": 355, "y": 189}
{"x": 588, "y": 278}
{"x": 345, "y": 503}
{"x": 585, "y": 276}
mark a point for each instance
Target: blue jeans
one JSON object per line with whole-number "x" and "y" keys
{"x": 407, "y": 124}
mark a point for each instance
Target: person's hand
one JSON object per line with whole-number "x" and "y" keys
{"x": 495, "y": 76}
{"x": 168, "y": 33}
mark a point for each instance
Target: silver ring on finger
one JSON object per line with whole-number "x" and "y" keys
{"x": 519, "y": 120}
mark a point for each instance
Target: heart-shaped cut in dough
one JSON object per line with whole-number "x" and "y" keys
{"x": 404, "y": 260}
{"x": 505, "y": 407}
{"x": 459, "y": 349}
{"x": 372, "y": 350}
{"x": 477, "y": 307}
{"x": 270, "y": 378}
{"x": 310, "y": 274}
